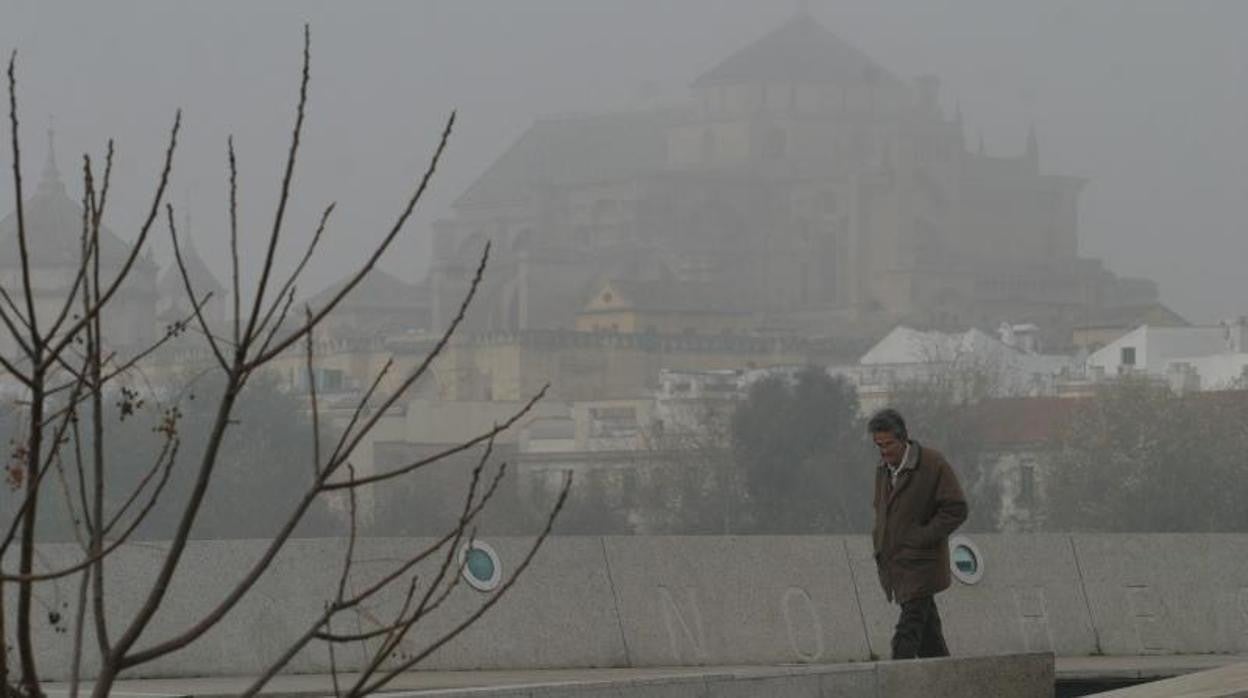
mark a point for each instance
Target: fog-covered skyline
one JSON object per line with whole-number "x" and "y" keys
{"x": 1147, "y": 100}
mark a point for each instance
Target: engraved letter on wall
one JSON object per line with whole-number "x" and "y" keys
{"x": 797, "y": 605}
{"x": 684, "y": 628}
{"x": 1145, "y": 612}
{"x": 1033, "y": 619}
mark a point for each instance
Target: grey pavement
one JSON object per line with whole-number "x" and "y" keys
{"x": 306, "y": 685}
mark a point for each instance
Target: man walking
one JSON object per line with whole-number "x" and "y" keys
{"x": 918, "y": 503}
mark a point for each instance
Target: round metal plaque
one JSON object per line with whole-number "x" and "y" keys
{"x": 965, "y": 560}
{"x": 480, "y": 566}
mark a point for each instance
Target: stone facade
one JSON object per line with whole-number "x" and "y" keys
{"x": 799, "y": 176}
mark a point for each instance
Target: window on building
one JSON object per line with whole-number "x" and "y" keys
{"x": 1127, "y": 356}
{"x": 612, "y": 422}
{"x": 330, "y": 380}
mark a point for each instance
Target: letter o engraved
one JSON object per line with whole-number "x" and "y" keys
{"x": 797, "y": 596}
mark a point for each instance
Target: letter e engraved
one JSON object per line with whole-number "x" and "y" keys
{"x": 681, "y": 627}
{"x": 1033, "y": 619}
{"x": 1145, "y": 613}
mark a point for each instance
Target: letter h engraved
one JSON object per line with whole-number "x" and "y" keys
{"x": 681, "y": 627}
{"x": 1145, "y": 612}
{"x": 1033, "y": 619}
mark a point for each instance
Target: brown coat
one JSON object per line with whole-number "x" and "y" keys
{"x": 912, "y": 525}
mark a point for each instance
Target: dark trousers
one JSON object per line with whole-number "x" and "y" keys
{"x": 918, "y": 632}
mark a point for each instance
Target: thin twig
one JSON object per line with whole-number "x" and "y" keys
{"x": 284, "y": 198}
{"x": 20, "y": 211}
{"x": 316, "y": 425}
{"x": 170, "y": 458}
{"x": 416, "y": 465}
{"x": 289, "y": 285}
{"x": 190, "y": 291}
{"x": 378, "y": 251}
{"x": 486, "y": 606}
{"x": 344, "y": 446}
{"x": 102, "y": 298}
{"x": 234, "y": 237}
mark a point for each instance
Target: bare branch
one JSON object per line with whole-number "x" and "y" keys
{"x": 190, "y": 291}
{"x": 360, "y": 407}
{"x": 401, "y": 626}
{"x": 137, "y": 359}
{"x": 238, "y": 340}
{"x": 102, "y": 298}
{"x": 92, "y": 213}
{"x": 286, "y": 300}
{"x": 360, "y": 597}
{"x": 170, "y": 456}
{"x": 344, "y": 448}
{"x": 316, "y": 427}
{"x": 289, "y": 285}
{"x": 284, "y": 198}
{"x": 22, "y": 342}
{"x": 20, "y": 211}
{"x": 486, "y": 606}
{"x": 15, "y": 372}
{"x": 378, "y": 251}
{"x": 137, "y": 490}
{"x": 416, "y": 465}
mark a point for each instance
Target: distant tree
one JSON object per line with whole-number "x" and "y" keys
{"x": 802, "y": 452}
{"x": 697, "y": 487}
{"x": 590, "y": 511}
{"x": 939, "y": 409}
{"x": 1138, "y": 457}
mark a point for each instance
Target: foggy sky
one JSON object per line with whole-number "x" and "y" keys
{"x": 1149, "y": 100}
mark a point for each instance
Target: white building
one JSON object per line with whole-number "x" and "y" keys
{"x": 1012, "y": 363}
{"x": 1191, "y": 358}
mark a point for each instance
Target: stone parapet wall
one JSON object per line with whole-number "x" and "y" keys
{"x": 678, "y": 601}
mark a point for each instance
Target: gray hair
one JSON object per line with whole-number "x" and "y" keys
{"x": 888, "y": 420}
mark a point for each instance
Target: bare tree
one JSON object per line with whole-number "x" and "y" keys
{"x": 939, "y": 400}
{"x": 66, "y": 369}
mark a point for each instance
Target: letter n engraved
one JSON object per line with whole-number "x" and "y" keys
{"x": 796, "y": 602}
{"x": 682, "y": 629}
{"x": 1146, "y": 614}
{"x": 1033, "y": 619}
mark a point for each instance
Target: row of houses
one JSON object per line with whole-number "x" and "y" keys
{"x": 1017, "y": 395}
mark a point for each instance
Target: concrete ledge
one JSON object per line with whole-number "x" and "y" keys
{"x": 1226, "y": 682}
{"x": 1147, "y": 668}
{"x": 1018, "y": 676}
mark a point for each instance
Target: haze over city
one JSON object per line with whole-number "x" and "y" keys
{"x": 1144, "y": 99}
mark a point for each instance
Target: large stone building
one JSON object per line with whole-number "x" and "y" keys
{"x": 802, "y": 182}
{"x": 54, "y": 235}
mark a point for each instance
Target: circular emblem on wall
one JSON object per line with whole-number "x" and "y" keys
{"x": 965, "y": 560}
{"x": 479, "y": 565}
